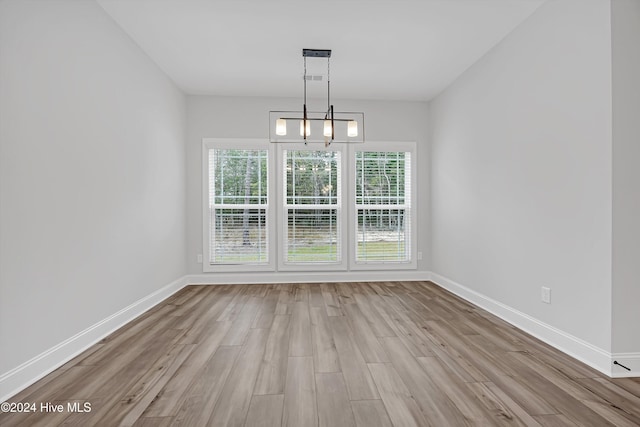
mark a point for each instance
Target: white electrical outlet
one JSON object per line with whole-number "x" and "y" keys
{"x": 419, "y": 255}
{"x": 199, "y": 258}
{"x": 546, "y": 295}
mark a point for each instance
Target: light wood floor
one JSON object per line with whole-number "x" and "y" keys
{"x": 346, "y": 354}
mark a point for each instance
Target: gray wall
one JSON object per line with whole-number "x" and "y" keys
{"x": 92, "y": 174}
{"x": 521, "y": 171}
{"x": 626, "y": 175}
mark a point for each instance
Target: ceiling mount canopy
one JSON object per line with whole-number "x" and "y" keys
{"x": 316, "y": 126}
{"x": 316, "y": 53}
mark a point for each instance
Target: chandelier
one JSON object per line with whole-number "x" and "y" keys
{"x": 316, "y": 126}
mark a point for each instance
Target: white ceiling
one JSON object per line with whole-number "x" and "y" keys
{"x": 382, "y": 49}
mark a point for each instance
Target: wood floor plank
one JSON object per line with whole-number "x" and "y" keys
{"x": 167, "y": 402}
{"x": 198, "y": 308}
{"x": 285, "y": 299}
{"x": 331, "y": 301}
{"x": 233, "y": 404}
{"x": 273, "y": 367}
{"x": 265, "y": 316}
{"x": 334, "y": 408}
{"x": 401, "y": 407}
{"x": 207, "y": 387}
{"x": 622, "y": 401}
{"x": 487, "y": 364}
{"x": 518, "y": 389}
{"x": 378, "y": 324}
{"x": 457, "y": 363}
{"x": 366, "y": 340}
{"x": 396, "y": 320}
{"x": 187, "y": 294}
{"x": 370, "y": 413}
{"x": 419, "y": 339}
{"x": 457, "y": 392}
{"x": 556, "y": 377}
{"x": 612, "y": 414}
{"x": 435, "y": 306}
{"x": 436, "y": 407}
{"x": 504, "y": 410}
{"x": 504, "y": 342}
{"x": 345, "y": 292}
{"x": 242, "y": 322}
{"x": 235, "y": 305}
{"x": 117, "y": 375}
{"x": 300, "y": 394}
{"x": 61, "y": 380}
{"x": 315, "y": 295}
{"x": 109, "y": 382}
{"x": 546, "y": 353}
{"x": 263, "y": 320}
{"x": 129, "y": 341}
{"x": 154, "y": 422}
{"x": 143, "y": 394}
{"x": 301, "y": 293}
{"x": 463, "y": 368}
{"x": 390, "y": 298}
{"x": 127, "y": 409}
{"x": 564, "y": 402}
{"x": 325, "y": 355}
{"x": 198, "y": 321}
{"x": 556, "y": 420}
{"x": 360, "y": 385}
{"x": 431, "y": 291}
{"x": 265, "y": 411}
{"x": 631, "y": 385}
{"x": 300, "y": 340}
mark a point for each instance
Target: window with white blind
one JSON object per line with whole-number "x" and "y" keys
{"x": 237, "y": 210}
{"x": 293, "y": 207}
{"x": 312, "y": 189}
{"x": 383, "y": 207}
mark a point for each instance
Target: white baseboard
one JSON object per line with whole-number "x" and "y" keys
{"x": 575, "y": 347}
{"x": 21, "y": 377}
{"x": 305, "y": 277}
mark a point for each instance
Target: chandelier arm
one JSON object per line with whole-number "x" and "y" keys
{"x": 317, "y": 119}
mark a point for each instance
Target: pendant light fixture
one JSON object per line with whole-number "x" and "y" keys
{"x": 316, "y": 126}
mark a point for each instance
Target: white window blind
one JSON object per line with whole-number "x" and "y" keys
{"x": 238, "y": 203}
{"x": 383, "y": 206}
{"x": 312, "y": 205}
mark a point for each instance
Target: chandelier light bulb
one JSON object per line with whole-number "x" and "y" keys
{"x": 328, "y": 130}
{"x": 281, "y": 127}
{"x": 352, "y": 128}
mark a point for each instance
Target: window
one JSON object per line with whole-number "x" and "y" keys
{"x": 312, "y": 206}
{"x": 338, "y": 207}
{"x": 237, "y": 206}
{"x": 383, "y": 202}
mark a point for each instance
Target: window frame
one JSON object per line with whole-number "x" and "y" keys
{"x": 381, "y": 146}
{"x": 342, "y": 207}
{"x": 277, "y": 217}
{"x": 237, "y": 144}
